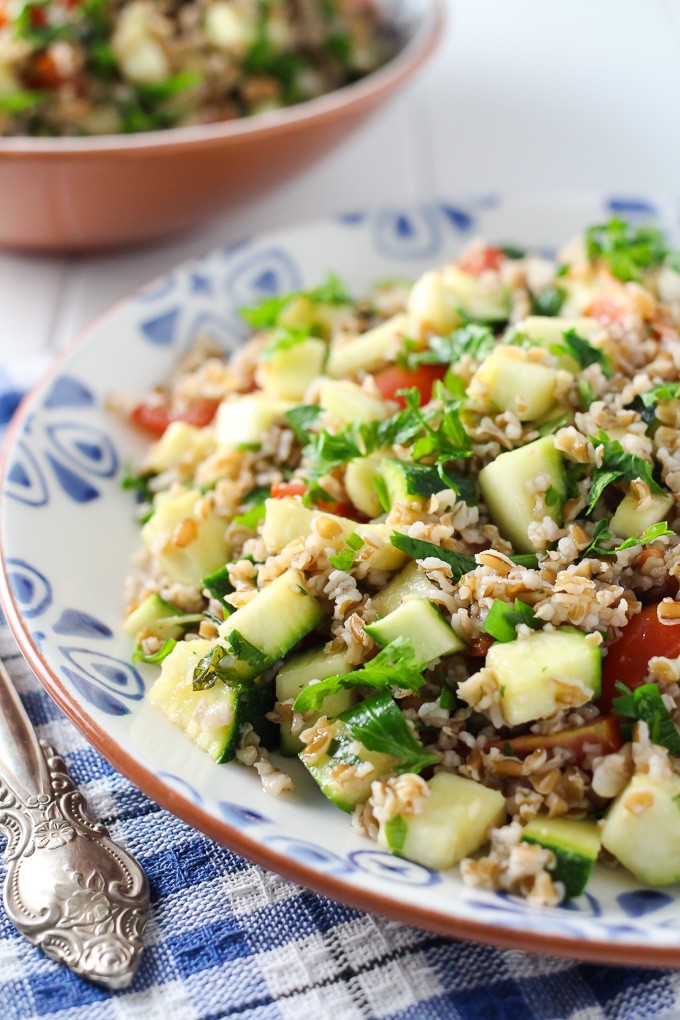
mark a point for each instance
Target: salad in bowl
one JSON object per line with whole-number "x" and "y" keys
{"x": 426, "y": 541}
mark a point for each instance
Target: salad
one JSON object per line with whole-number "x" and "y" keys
{"x": 426, "y": 541}
{"x": 98, "y": 67}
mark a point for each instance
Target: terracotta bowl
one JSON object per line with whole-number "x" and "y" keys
{"x": 78, "y": 194}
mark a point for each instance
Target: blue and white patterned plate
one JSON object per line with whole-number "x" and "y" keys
{"x": 68, "y": 533}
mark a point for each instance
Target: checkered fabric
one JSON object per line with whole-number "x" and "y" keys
{"x": 227, "y": 939}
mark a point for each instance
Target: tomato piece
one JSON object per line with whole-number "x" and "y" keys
{"x": 280, "y": 490}
{"x": 155, "y": 418}
{"x": 478, "y": 648}
{"x": 628, "y": 658}
{"x": 603, "y": 735}
{"x": 608, "y": 310}
{"x": 393, "y": 378}
{"x": 480, "y": 260}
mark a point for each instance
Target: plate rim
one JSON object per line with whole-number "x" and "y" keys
{"x": 608, "y": 951}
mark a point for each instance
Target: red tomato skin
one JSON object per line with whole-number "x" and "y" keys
{"x": 603, "y": 734}
{"x": 393, "y": 378}
{"x": 628, "y": 658}
{"x": 280, "y": 490}
{"x": 154, "y": 419}
{"x": 480, "y": 260}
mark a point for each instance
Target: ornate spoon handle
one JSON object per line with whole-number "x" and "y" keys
{"x": 69, "y": 888}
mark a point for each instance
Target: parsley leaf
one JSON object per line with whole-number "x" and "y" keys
{"x": 254, "y": 513}
{"x": 380, "y": 725}
{"x": 301, "y": 420}
{"x": 627, "y": 251}
{"x": 582, "y": 351}
{"x": 659, "y": 394}
{"x": 219, "y": 586}
{"x": 617, "y": 465}
{"x": 395, "y": 665}
{"x": 503, "y": 619}
{"x": 283, "y": 338}
{"x": 207, "y": 670}
{"x": 602, "y": 534}
{"x": 419, "y": 549}
{"x": 474, "y": 340}
{"x": 344, "y": 560}
{"x": 586, "y": 394}
{"x": 266, "y": 313}
{"x": 646, "y": 704}
{"x": 548, "y": 301}
{"x": 246, "y": 652}
{"x": 162, "y": 653}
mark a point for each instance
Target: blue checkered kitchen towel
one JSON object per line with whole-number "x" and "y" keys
{"x": 227, "y": 939}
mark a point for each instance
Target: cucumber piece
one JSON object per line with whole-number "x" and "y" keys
{"x": 410, "y": 583}
{"x": 156, "y": 615}
{"x": 405, "y": 480}
{"x": 432, "y": 305}
{"x": 642, "y": 828}
{"x": 344, "y": 749}
{"x": 181, "y": 443}
{"x": 575, "y": 844}
{"x": 300, "y": 670}
{"x": 530, "y": 672}
{"x": 273, "y": 622}
{"x": 478, "y": 297}
{"x": 185, "y": 542}
{"x": 347, "y": 402}
{"x": 213, "y": 718}
{"x": 368, "y": 351}
{"x": 359, "y": 475}
{"x": 503, "y": 486}
{"x": 510, "y": 382}
{"x": 245, "y": 419}
{"x": 458, "y": 816}
{"x": 632, "y": 518}
{"x": 546, "y": 331}
{"x": 418, "y": 620}
{"x": 287, "y": 373}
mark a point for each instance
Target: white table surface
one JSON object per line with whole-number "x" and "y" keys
{"x": 521, "y": 96}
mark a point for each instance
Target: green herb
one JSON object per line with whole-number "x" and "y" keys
{"x": 503, "y": 619}
{"x": 162, "y": 653}
{"x": 586, "y": 394}
{"x": 380, "y": 486}
{"x": 617, "y": 465}
{"x": 419, "y": 549}
{"x": 447, "y": 699}
{"x": 463, "y": 485}
{"x": 627, "y": 251}
{"x": 511, "y": 252}
{"x": 444, "y": 435}
{"x": 254, "y": 513}
{"x": 395, "y": 665}
{"x": 529, "y": 560}
{"x": 659, "y": 394}
{"x": 582, "y": 351}
{"x": 395, "y": 830}
{"x": 139, "y": 484}
{"x": 20, "y": 101}
{"x": 248, "y": 447}
{"x": 380, "y": 726}
{"x": 548, "y": 301}
{"x": 157, "y": 92}
{"x": 301, "y": 420}
{"x": 283, "y": 338}
{"x": 474, "y": 340}
{"x": 344, "y": 560}
{"x": 219, "y": 586}
{"x": 601, "y": 534}
{"x": 207, "y": 671}
{"x": 646, "y": 704}
{"x": 563, "y": 270}
{"x": 246, "y": 652}
{"x": 548, "y": 428}
{"x": 266, "y": 313}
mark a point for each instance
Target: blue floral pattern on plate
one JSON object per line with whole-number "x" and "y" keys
{"x": 69, "y": 532}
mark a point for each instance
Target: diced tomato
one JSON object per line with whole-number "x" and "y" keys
{"x": 628, "y": 658}
{"x": 280, "y": 490}
{"x": 607, "y": 309}
{"x": 4, "y": 12}
{"x": 43, "y": 72}
{"x": 602, "y": 737}
{"x": 479, "y": 260}
{"x": 38, "y": 15}
{"x": 392, "y": 379}
{"x": 478, "y": 648}
{"x": 155, "y": 419}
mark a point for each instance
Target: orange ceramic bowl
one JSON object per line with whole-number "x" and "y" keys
{"x": 78, "y": 194}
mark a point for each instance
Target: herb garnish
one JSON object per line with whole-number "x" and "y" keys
{"x": 582, "y": 351}
{"x": 646, "y": 704}
{"x": 601, "y": 534}
{"x": 474, "y": 340}
{"x": 380, "y": 726}
{"x": 419, "y": 549}
{"x": 627, "y": 251}
{"x": 618, "y": 465}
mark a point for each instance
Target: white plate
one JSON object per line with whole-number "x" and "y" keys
{"x": 68, "y": 534}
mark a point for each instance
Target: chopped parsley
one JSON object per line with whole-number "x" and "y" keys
{"x": 379, "y": 724}
{"x": 395, "y": 665}
{"x": 301, "y": 419}
{"x": 419, "y": 549}
{"x": 283, "y": 338}
{"x": 601, "y": 534}
{"x": 646, "y": 704}
{"x": 158, "y": 656}
{"x": 474, "y": 340}
{"x": 582, "y": 351}
{"x": 618, "y": 465}
{"x": 246, "y": 652}
{"x": 266, "y": 313}
{"x": 254, "y": 502}
{"x": 219, "y": 586}
{"x": 344, "y": 560}
{"x": 627, "y": 251}
{"x": 661, "y": 393}
{"x": 548, "y": 301}
{"x": 586, "y": 394}
{"x": 207, "y": 671}
{"x": 503, "y": 619}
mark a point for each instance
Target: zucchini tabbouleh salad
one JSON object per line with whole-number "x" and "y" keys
{"x": 93, "y": 67}
{"x": 427, "y": 541}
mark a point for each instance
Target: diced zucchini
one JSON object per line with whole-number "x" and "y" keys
{"x": 575, "y": 844}
{"x": 406, "y": 480}
{"x": 287, "y": 373}
{"x": 339, "y": 784}
{"x": 302, "y": 669}
{"x": 347, "y": 402}
{"x": 273, "y": 622}
{"x": 456, "y": 821}
{"x": 157, "y": 615}
{"x": 632, "y": 518}
{"x": 432, "y": 305}
{"x": 245, "y": 419}
{"x": 359, "y": 475}
{"x": 511, "y": 382}
{"x": 410, "y": 583}
{"x": 181, "y": 443}
{"x": 538, "y": 674}
{"x": 212, "y": 718}
{"x": 642, "y": 828}
{"x": 385, "y": 556}
{"x": 368, "y": 351}
{"x": 185, "y": 542}
{"x": 503, "y": 483}
{"x": 418, "y": 620}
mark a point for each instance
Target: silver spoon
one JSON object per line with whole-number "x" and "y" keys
{"x": 69, "y": 888}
